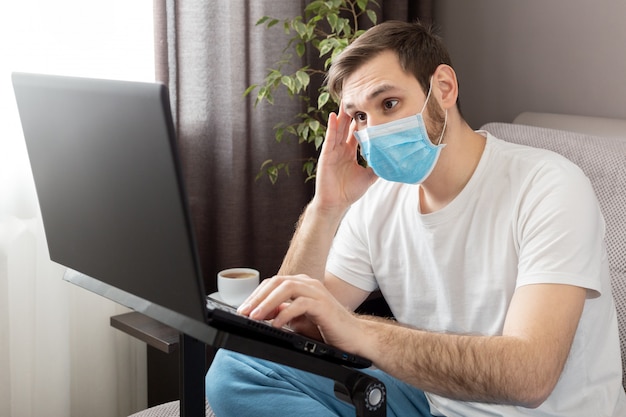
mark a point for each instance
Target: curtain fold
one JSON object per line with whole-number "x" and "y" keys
{"x": 208, "y": 53}
{"x": 407, "y": 10}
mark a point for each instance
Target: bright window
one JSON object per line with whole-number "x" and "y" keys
{"x": 102, "y": 39}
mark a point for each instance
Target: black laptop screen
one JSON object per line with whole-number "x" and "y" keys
{"x": 103, "y": 157}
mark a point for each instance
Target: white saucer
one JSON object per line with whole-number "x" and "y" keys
{"x": 217, "y": 297}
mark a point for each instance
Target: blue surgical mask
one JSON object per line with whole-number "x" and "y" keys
{"x": 400, "y": 150}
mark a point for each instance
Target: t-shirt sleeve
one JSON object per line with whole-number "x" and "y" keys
{"x": 349, "y": 257}
{"x": 560, "y": 229}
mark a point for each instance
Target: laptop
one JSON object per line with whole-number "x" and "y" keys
{"x": 103, "y": 154}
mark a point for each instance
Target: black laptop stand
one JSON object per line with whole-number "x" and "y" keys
{"x": 365, "y": 392}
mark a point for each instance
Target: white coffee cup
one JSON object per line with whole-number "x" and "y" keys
{"x": 236, "y": 284}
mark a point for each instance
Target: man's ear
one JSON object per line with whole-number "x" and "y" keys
{"x": 446, "y": 86}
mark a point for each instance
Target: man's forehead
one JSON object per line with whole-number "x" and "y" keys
{"x": 382, "y": 74}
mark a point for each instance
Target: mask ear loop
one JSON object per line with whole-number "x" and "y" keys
{"x": 445, "y": 120}
{"x": 430, "y": 89}
{"x": 445, "y": 123}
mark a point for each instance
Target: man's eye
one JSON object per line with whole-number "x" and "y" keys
{"x": 390, "y": 104}
{"x": 360, "y": 117}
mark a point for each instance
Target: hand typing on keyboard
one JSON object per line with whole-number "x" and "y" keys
{"x": 304, "y": 305}
{"x": 212, "y": 303}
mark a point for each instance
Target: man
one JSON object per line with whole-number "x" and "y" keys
{"x": 489, "y": 254}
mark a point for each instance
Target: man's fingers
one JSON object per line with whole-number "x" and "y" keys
{"x": 284, "y": 289}
{"x": 258, "y": 295}
{"x": 351, "y": 139}
{"x": 291, "y": 311}
{"x": 345, "y": 122}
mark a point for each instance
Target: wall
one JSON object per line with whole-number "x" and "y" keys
{"x": 558, "y": 56}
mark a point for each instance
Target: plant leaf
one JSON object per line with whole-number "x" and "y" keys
{"x": 272, "y": 174}
{"x": 303, "y": 78}
{"x": 289, "y": 83}
{"x": 280, "y": 131}
{"x": 308, "y": 167}
{"x": 249, "y": 89}
{"x": 262, "y": 20}
{"x": 300, "y": 49}
{"x": 318, "y": 141}
{"x": 314, "y": 125}
{"x": 314, "y": 6}
{"x": 326, "y": 46}
{"x": 332, "y": 21}
{"x": 323, "y": 99}
{"x": 300, "y": 28}
{"x": 372, "y": 15}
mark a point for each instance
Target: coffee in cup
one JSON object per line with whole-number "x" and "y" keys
{"x": 236, "y": 284}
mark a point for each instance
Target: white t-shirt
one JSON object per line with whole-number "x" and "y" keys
{"x": 526, "y": 216}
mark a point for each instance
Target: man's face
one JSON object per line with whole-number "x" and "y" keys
{"x": 381, "y": 91}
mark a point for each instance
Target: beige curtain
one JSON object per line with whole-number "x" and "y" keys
{"x": 59, "y": 356}
{"x": 209, "y": 52}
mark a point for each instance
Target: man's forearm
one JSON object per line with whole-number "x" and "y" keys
{"x": 498, "y": 369}
{"x": 311, "y": 242}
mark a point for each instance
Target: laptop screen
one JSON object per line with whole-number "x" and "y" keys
{"x": 103, "y": 156}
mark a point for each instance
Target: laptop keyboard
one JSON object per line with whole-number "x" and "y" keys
{"x": 284, "y": 332}
{"x": 213, "y": 304}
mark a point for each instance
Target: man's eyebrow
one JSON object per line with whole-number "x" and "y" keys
{"x": 372, "y": 95}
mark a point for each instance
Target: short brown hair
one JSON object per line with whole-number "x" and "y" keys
{"x": 419, "y": 50}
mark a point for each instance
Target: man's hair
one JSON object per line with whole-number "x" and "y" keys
{"x": 419, "y": 50}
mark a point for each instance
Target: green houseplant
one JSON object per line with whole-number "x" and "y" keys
{"x": 325, "y": 28}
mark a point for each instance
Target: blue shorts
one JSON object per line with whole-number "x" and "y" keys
{"x": 239, "y": 385}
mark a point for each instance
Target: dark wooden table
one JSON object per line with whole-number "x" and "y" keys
{"x": 192, "y": 356}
